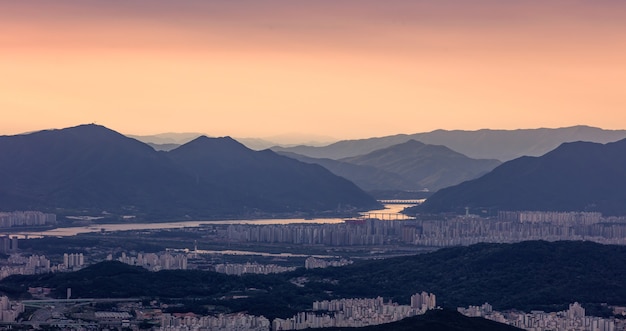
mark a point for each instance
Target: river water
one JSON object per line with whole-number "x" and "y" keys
{"x": 72, "y": 231}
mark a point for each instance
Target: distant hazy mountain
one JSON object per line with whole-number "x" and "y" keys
{"x": 367, "y": 178}
{"x": 256, "y": 143}
{"x": 579, "y": 176}
{"x": 506, "y": 145}
{"x": 502, "y": 145}
{"x": 177, "y": 138}
{"x": 409, "y": 166}
{"x": 90, "y": 169}
{"x": 252, "y": 143}
{"x": 163, "y": 147}
{"x": 345, "y": 148}
{"x": 171, "y": 140}
{"x": 295, "y": 139}
{"x": 424, "y": 166}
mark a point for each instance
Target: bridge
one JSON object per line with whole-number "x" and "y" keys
{"x": 48, "y": 302}
{"x": 402, "y": 202}
{"x": 386, "y": 216}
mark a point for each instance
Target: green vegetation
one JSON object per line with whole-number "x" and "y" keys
{"x": 258, "y": 294}
{"x": 90, "y": 170}
{"x": 435, "y": 320}
{"x": 578, "y": 176}
{"x": 528, "y": 275}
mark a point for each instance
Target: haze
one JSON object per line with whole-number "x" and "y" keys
{"x": 344, "y": 69}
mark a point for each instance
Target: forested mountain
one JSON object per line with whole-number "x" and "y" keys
{"x": 579, "y": 176}
{"x": 92, "y": 170}
{"x": 366, "y": 177}
{"x": 529, "y": 275}
{"x": 409, "y": 166}
{"x": 424, "y": 166}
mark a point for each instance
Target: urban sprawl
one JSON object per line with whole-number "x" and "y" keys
{"x": 508, "y": 227}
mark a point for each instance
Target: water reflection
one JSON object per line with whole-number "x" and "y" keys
{"x": 72, "y": 231}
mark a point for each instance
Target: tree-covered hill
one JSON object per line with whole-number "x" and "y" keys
{"x": 528, "y": 275}
{"x": 94, "y": 171}
{"x": 578, "y": 176}
{"x": 435, "y": 320}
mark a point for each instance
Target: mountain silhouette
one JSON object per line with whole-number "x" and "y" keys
{"x": 265, "y": 179}
{"x": 90, "y": 169}
{"x": 578, "y": 176}
{"x": 424, "y": 166}
{"x": 366, "y": 177}
{"x": 409, "y": 166}
{"x": 503, "y": 145}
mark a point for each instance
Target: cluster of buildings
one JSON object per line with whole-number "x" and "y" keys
{"x": 8, "y": 244}
{"x": 73, "y": 261}
{"x": 508, "y": 227}
{"x": 370, "y": 232}
{"x": 355, "y": 313}
{"x": 552, "y": 217}
{"x": 312, "y": 263}
{"x": 9, "y": 311}
{"x": 573, "y": 319}
{"x": 221, "y": 322}
{"x": 515, "y": 227}
{"x": 17, "y": 264}
{"x": 250, "y": 268}
{"x": 26, "y": 218}
{"x": 154, "y": 262}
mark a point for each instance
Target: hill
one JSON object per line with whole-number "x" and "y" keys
{"x": 92, "y": 170}
{"x": 422, "y": 166}
{"x": 502, "y": 145}
{"x": 435, "y": 320}
{"x": 171, "y": 140}
{"x": 528, "y": 275}
{"x": 271, "y": 182}
{"x": 366, "y": 177}
{"x": 579, "y": 176}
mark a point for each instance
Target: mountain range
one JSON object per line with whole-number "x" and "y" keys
{"x": 503, "y": 145}
{"x": 170, "y": 140}
{"x": 411, "y": 166}
{"x": 92, "y": 170}
{"x": 425, "y": 167}
{"x": 578, "y": 176}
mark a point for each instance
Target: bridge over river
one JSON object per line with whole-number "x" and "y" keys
{"x": 386, "y": 216}
{"x": 402, "y": 202}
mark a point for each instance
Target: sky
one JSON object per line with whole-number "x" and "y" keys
{"x": 333, "y": 68}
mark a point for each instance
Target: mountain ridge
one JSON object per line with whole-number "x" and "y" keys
{"x": 503, "y": 145}
{"x": 90, "y": 169}
{"x": 426, "y": 167}
{"x": 410, "y": 166}
{"x": 576, "y": 176}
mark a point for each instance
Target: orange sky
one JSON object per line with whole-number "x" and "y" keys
{"x": 339, "y": 68}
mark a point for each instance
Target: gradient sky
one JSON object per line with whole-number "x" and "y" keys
{"x": 339, "y": 68}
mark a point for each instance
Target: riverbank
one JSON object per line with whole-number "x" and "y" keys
{"x": 103, "y": 227}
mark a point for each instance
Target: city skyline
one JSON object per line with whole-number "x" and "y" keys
{"x": 343, "y": 69}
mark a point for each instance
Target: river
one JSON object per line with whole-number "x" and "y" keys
{"x": 72, "y": 231}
